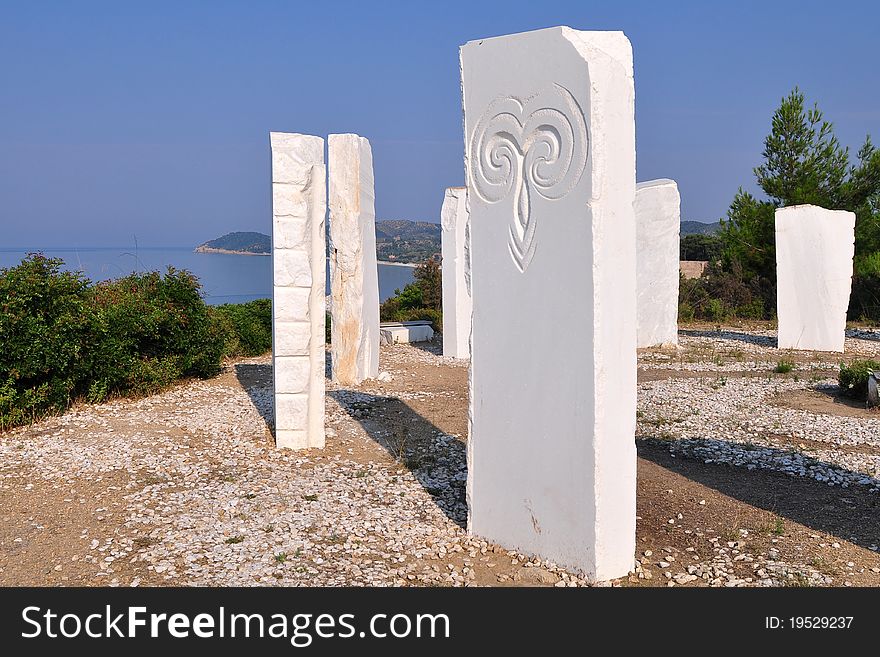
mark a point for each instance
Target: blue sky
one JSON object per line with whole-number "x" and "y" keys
{"x": 151, "y": 119}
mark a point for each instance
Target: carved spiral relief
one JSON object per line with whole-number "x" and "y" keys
{"x": 521, "y": 154}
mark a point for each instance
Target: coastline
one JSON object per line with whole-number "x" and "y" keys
{"x": 209, "y": 249}
{"x": 397, "y": 264}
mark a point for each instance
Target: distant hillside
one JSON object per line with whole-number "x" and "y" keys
{"x": 699, "y": 228}
{"x": 399, "y": 240}
{"x": 238, "y": 243}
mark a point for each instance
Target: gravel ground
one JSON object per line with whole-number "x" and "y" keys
{"x": 185, "y": 487}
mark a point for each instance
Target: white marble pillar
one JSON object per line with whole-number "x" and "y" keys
{"x": 354, "y": 274}
{"x": 814, "y": 267}
{"x": 550, "y": 161}
{"x": 299, "y": 206}
{"x": 658, "y": 224}
{"x": 456, "y": 273}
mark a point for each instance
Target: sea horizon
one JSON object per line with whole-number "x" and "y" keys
{"x": 225, "y": 277}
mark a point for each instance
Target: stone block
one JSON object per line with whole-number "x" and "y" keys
{"x": 354, "y": 274}
{"x": 658, "y": 224}
{"x": 814, "y": 267}
{"x": 456, "y": 273}
{"x": 299, "y": 207}
{"x": 550, "y": 163}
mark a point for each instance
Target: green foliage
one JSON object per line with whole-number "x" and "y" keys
{"x": 784, "y": 366}
{"x": 62, "y": 338}
{"x": 723, "y": 294}
{"x": 47, "y": 329}
{"x": 864, "y": 300}
{"x": 803, "y": 163}
{"x": 715, "y": 310}
{"x": 867, "y": 264}
{"x": 700, "y": 247}
{"x": 247, "y": 327}
{"x": 853, "y": 378}
{"x": 420, "y": 300}
{"x": 429, "y": 279}
{"x": 686, "y": 312}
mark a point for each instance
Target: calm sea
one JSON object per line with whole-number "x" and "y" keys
{"x": 225, "y": 278}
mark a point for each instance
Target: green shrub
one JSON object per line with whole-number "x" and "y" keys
{"x": 864, "y": 301}
{"x": 685, "y": 312}
{"x": 714, "y": 310}
{"x": 427, "y": 314}
{"x": 47, "y": 328}
{"x": 419, "y": 300}
{"x": 784, "y": 366}
{"x": 853, "y": 378}
{"x": 247, "y": 327}
{"x": 62, "y": 338}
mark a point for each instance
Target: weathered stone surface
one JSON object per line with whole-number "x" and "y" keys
{"x": 814, "y": 266}
{"x": 298, "y": 262}
{"x": 456, "y": 273}
{"x": 354, "y": 275}
{"x": 550, "y": 160}
{"x": 658, "y": 224}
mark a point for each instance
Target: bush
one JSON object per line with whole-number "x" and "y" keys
{"x": 247, "y": 327}
{"x": 864, "y": 300}
{"x": 685, "y": 312}
{"x": 47, "y": 329}
{"x": 784, "y": 366}
{"x": 62, "y": 338}
{"x": 153, "y": 330}
{"x": 853, "y": 378}
{"x": 714, "y": 310}
{"x": 420, "y": 300}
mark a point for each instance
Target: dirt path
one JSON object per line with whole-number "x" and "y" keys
{"x": 185, "y": 488}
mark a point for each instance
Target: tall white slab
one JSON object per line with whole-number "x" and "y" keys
{"x": 456, "y": 273}
{"x": 658, "y": 224}
{"x": 814, "y": 267}
{"x": 299, "y": 206}
{"x": 354, "y": 275}
{"x": 550, "y": 164}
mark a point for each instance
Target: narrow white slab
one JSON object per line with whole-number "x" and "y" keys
{"x": 354, "y": 274}
{"x": 814, "y": 267}
{"x": 457, "y": 304}
{"x": 298, "y": 306}
{"x": 658, "y": 224}
{"x": 550, "y": 160}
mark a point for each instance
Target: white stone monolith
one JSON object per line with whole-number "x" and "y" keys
{"x": 550, "y": 164}
{"x": 456, "y": 273}
{"x": 299, "y": 205}
{"x": 658, "y": 224}
{"x": 814, "y": 267}
{"x": 354, "y": 274}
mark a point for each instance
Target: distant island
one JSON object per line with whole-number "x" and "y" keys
{"x": 398, "y": 241}
{"x": 238, "y": 244}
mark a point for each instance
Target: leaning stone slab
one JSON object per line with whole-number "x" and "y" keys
{"x": 814, "y": 266}
{"x": 354, "y": 275}
{"x": 550, "y": 162}
{"x": 456, "y": 273}
{"x": 298, "y": 262}
{"x": 658, "y": 224}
